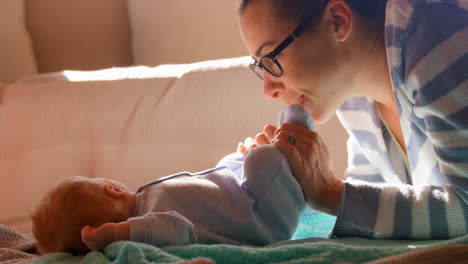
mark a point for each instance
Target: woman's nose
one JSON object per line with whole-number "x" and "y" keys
{"x": 272, "y": 89}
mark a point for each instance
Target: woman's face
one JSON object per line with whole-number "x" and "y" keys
{"x": 312, "y": 75}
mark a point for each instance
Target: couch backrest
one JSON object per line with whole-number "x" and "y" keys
{"x": 184, "y": 31}
{"x": 54, "y": 35}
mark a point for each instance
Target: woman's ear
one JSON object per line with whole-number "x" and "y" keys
{"x": 114, "y": 191}
{"x": 340, "y": 17}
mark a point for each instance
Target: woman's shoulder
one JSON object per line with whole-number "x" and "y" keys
{"x": 421, "y": 25}
{"x": 402, "y": 13}
{"x": 411, "y": 5}
{"x": 421, "y": 32}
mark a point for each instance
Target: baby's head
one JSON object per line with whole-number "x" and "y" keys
{"x": 75, "y": 203}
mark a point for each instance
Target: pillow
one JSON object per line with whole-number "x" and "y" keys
{"x": 183, "y": 31}
{"x": 16, "y": 53}
{"x": 79, "y": 35}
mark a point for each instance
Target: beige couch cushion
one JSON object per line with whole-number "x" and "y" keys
{"x": 183, "y": 31}
{"x": 82, "y": 35}
{"x": 16, "y": 54}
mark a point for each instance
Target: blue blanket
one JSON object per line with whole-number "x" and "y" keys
{"x": 310, "y": 245}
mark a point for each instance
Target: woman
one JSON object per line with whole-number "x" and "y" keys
{"x": 396, "y": 72}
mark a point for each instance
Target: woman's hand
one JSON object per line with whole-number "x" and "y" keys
{"x": 260, "y": 139}
{"x": 311, "y": 165}
{"x": 98, "y": 238}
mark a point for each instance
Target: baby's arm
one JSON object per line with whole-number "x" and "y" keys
{"x": 98, "y": 238}
{"x": 162, "y": 229}
{"x": 159, "y": 229}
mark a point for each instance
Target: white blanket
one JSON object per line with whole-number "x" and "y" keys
{"x": 16, "y": 247}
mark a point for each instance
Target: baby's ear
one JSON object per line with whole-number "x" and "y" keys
{"x": 114, "y": 191}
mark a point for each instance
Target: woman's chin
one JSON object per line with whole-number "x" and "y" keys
{"x": 319, "y": 115}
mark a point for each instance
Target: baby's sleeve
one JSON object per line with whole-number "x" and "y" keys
{"x": 162, "y": 229}
{"x": 234, "y": 162}
{"x": 278, "y": 198}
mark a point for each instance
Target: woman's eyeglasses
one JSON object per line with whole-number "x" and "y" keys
{"x": 269, "y": 61}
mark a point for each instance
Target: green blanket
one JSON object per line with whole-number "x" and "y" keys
{"x": 317, "y": 249}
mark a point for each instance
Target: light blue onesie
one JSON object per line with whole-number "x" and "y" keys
{"x": 247, "y": 199}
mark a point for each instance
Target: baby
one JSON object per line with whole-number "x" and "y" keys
{"x": 248, "y": 199}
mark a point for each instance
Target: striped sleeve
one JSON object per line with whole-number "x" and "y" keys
{"x": 429, "y": 70}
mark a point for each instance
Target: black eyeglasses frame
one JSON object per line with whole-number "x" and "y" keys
{"x": 255, "y": 66}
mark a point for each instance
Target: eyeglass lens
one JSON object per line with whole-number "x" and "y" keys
{"x": 257, "y": 69}
{"x": 271, "y": 66}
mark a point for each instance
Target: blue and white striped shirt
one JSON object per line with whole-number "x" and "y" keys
{"x": 426, "y": 195}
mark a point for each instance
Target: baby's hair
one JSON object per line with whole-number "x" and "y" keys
{"x": 65, "y": 210}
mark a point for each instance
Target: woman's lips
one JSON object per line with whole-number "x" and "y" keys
{"x": 300, "y": 100}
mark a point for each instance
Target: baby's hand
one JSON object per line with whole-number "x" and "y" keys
{"x": 260, "y": 139}
{"x": 98, "y": 238}
{"x": 244, "y": 147}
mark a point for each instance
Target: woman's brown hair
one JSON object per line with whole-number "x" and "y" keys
{"x": 372, "y": 10}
